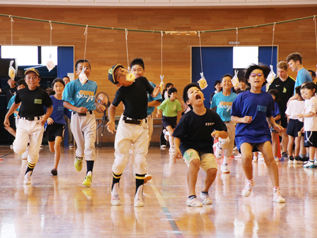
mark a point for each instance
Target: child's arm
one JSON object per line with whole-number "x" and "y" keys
{"x": 302, "y": 115}
{"x": 278, "y": 117}
{"x": 111, "y": 126}
{"x": 222, "y": 134}
{"x": 246, "y": 119}
{"x": 272, "y": 122}
{"x": 158, "y": 112}
{"x": 156, "y": 91}
{"x": 12, "y": 109}
{"x": 74, "y": 108}
{"x": 46, "y": 115}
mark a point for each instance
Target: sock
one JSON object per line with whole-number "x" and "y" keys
{"x": 139, "y": 180}
{"x": 115, "y": 179}
{"x": 30, "y": 168}
{"x": 90, "y": 165}
{"x": 275, "y": 189}
{"x": 80, "y": 158}
{"x": 204, "y": 193}
{"x": 225, "y": 160}
{"x": 191, "y": 196}
{"x": 307, "y": 154}
{"x": 301, "y": 155}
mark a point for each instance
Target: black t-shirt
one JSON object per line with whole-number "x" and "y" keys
{"x": 9, "y": 92}
{"x": 194, "y": 131}
{"x": 134, "y": 98}
{"x": 32, "y": 102}
{"x": 285, "y": 90}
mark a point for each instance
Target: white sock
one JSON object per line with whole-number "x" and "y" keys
{"x": 225, "y": 160}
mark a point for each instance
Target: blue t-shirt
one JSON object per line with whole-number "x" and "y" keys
{"x": 58, "y": 111}
{"x": 302, "y": 76}
{"x": 11, "y": 101}
{"x": 223, "y": 104}
{"x": 81, "y": 95}
{"x": 276, "y": 112}
{"x": 150, "y": 99}
{"x": 259, "y": 107}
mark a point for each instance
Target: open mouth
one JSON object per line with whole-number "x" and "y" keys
{"x": 197, "y": 97}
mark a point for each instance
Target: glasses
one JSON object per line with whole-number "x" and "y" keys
{"x": 254, "y": 75}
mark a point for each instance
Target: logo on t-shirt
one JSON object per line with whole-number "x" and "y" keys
{"x": 224, "y": 104}
{"x": 261, "y": 108}
{"x": 86, "y": 94}
{"x": 37, "y": 101}
{"x": 284, "y": 90}
{"x": 209, "y": 123}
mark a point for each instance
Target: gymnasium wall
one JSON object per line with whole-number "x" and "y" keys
{"x": 107, "y": 47}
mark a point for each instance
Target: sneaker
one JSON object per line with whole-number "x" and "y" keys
{"x": 291, "y": 160}
{"x": 206, "y": 199}
{"x": 304, "y": 159}
{"x": 193, "y": 202}
{"x": 276, "y": 159}
{"x": 225, "y": 168}
{"x": 71, "y": 146}
{"x": 115, "y": 200}
{"x": 298, "y": 160}
{"x": 277, "y": 196}
{"x": 165, "y": 134}
{"x": 147, "y": 178}
{"x": 248, "y": 188}
{"x": 163, "y": 147}
{"x": 284, "y": 156}
{"x": 54, "y": 172}
{"x": 218, "y": 152}
{"x": 138, "y": 202}
{"x": 172, "y": 150}
{"x": 255, "y": 159}
{"x": 27, "y": 178}
{"x": 78, "y": 164}
{"x": 41, "y": 147}
{"x": 315, "y": 163}
{"x": 309, "y": 165}
{"x": 87, "y": 181}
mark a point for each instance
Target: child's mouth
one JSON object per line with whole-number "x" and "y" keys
{"x": 197, "y": 97}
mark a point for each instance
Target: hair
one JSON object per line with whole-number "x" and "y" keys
{"x": 217, "y": 82}
{"x": 137, "y": 61}
{"x": 66, "y": 77}
{"x": 297, "y": 91}
{"x": 294, "y": 56}
{"x": 21, "y": 82}
{"x": 50, "y": 91}
{"x": 171, "y": 90}
{"x": 282, "y": 65}
{"x": 312, "y": 72}
{"x": 82, "y": 61}
{"x": 187, "y": 87}
{"x": 57, "y": 80}
{"x": 266, "y": 70}
{"x": 226, "y": 75}
{"x": 168, "y": 85}
{"x": 310, "y": 86}
{"x": 241, "y": 80}
{"x": 275, "y": 93}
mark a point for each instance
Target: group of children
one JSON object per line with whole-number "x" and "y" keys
{"x": 248, "y": 118}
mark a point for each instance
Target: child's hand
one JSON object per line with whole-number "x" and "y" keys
{"x": 42, "y": 121}
{"x": 50, "y": 121}
{"x": 158, "y": 114}
{"x": 6, "y": 122}
{"x": 177, "y": 154}
{"x": 156, "y": 90}
{"x": 278, "y": 128}
{"x": 82, "y": 110}
{"x": 300, "y": 115}
{"x": 215, "y": 134}
{"x": 302, "y": 130}
{"x": 111, "y": 127}
{"x": 246, "y": 119}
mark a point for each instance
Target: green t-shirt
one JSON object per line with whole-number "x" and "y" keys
{"x": 170, "y": 108}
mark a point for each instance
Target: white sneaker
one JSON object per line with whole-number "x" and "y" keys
{"x": 206, "y": 199}
{"x": 225, "y": 168}
{"x": 277, "y": 196}
{"x": 172, "y": 150}
{"x": 277, "y": 159}
{"x": 163, "y": 147}
{"x": 309, "y": 165}
{"x": 255, "y": 159}
{"x": 165, "y": 134}
{"x": 248, "y": 188}
{"x": 218, "y": 152}
{"x": 193, "y": 202}
{"x": 138, "y": 202}
{"x": 115, "y": 200}
{"x": 27, "y": 178}
{"x": 147, "y": 178}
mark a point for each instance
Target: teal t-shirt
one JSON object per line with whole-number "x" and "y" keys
{"x": 223, "y": 104}
{"x": 170, "y": 108}
{"x": 11, "y": 101}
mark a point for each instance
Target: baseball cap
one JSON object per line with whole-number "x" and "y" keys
{"x": 111, "y": 71}
{"x": 32, "y": 70}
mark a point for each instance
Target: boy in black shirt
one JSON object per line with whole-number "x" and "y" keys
{"x": 132, "y": 128}
{"x": 32, "y": 119}
{"x": 194, "y": 137}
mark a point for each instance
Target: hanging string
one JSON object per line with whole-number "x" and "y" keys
{"x": 86, "y": 34}
{"x": 201, "y": 58}
{"x": 161, "y": 52}
{"x": 11, "y": 29}
{"x": 315, "y": 35}
{"x": 272, "y": 44}
{"x": 51, "y": 30}
{"x": 237, "y": 36}
{"x": 126, "y": 47}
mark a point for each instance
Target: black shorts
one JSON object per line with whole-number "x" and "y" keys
{"x": 294, "y": 126}
{"x": 310, "y": 139}
{"x": 54, "y": 130}
{"x": 283, "y": 120}
{"x": 169, "y": 121}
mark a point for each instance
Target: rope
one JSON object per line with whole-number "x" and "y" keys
{"x": 126, "y": 47}
{"x": 11, "y": 29}
{"x": 201, "y": 58}
{"x": 161, "y": 52}
{"x": 237, "y": 36}
{"x": 86, "y": 34}
{"x": 315, "y": 34}
{"x": 51, "y": 30}
{"x": 272, "y": 44}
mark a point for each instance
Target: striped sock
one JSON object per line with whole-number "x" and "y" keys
{"x": 115, "y": 179}
{"x": 30, "y": 168}
{"x": 139, "y": 180}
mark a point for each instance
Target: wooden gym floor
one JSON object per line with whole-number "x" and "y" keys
{"x": 59, "y": 206}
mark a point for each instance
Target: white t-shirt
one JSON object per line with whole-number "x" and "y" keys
{"x": 295, "y": 107}
{"x": 310, "y": 123}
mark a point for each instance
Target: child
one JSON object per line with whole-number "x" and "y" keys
{"x": 194, "y": 139}
{"x": 56, "y": 123}
{"x": 32, "y": 119}
{"x": 80, "y": 98}
{"x": 310, "y": 121}
{"x": 222, "y": 102}
{"x": 250, "y": 111}
{"x": 171, "y": 108}
{"x": 217, "y": 86}
{"x": 276, "y": 116}
{"x": 294, "y": 126}
{"x": 242, "y": 86}
{"x": 132, "y": 128}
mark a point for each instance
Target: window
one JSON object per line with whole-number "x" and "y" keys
{"x": 24, "y": 55}
{"x": 244, "y": 56}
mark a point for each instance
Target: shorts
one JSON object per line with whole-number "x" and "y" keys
{"x": 255, "y": 146}
{"x": 294, "y": 126}
{"x": 273, "y": 130}
{"x": 310, "y": 139}
{"x": 54, "y": 130}
{"x": 207, "y": 160}
{"x": 283, "y": 120}
{"x": 169, "y": 121}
